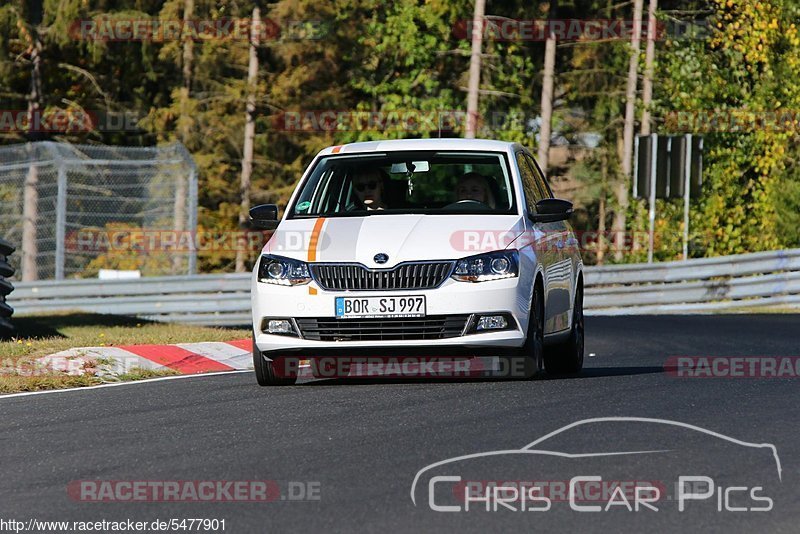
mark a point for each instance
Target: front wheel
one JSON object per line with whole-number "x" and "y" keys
{"x": 567, "y": 357}
{"x": 529, "y": 360}
{"x": 278, "y": 372}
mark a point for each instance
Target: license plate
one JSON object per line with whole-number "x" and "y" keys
{"x": 372, "y": 307}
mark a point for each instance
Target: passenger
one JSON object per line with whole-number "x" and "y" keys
{"x": 368, "y": 188}
{"x": 475, "y": 186}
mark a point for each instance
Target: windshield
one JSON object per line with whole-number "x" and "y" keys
{"x": 408, "y": 182}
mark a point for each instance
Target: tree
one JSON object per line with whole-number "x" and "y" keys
{"x": 622, "y": 186}
{"x": 249, "y": 133}
{"x": 739, "y": 74}
{"x": 476, "y": 38}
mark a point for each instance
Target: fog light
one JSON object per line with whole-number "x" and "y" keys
{"x": 492, "y": 322}
{"x": 279, "y": 326}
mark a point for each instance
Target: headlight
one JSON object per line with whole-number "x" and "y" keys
{"x": 283, "y": 271}
{"x": 484, "y": 267}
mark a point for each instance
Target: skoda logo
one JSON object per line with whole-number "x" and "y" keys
{"x": 381, "y": 258}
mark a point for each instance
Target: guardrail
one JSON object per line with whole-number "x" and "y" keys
{"x": 702, "y": 285}
{"x": 710, "y": 284}
{"x": 205, "y": 299}
{"x": 6, "y": 271}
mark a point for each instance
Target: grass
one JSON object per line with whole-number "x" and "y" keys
{"x": 39, "y": 336}
{"x": 762, "y": 310}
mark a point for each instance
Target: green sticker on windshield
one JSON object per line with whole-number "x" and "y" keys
{"x": 303, "y": 206}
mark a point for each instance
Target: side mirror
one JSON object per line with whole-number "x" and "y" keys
{"x": 264, "y": 217}
{"x": 551, "y": 210}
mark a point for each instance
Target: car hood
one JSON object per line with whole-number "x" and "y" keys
{"x": 401, "y": 237}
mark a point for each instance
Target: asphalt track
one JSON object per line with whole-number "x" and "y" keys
{"x": 362, "y": 442}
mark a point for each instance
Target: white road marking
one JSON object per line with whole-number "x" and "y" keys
{"x": 116, "y": 384}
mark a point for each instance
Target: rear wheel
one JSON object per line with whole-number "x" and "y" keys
{"x": 278, "y": 372}
{"x": 567, "y": 357}
{"x": 530, "y": 358}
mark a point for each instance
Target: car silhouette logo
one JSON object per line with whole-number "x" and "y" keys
{"x": 547, "y": 447}
{"x": 381, "y": 258}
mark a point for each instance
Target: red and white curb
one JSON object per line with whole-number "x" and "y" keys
{"x": 186, "y": 358}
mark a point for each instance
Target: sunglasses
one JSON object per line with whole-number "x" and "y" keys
{"x": 367, "y": 185}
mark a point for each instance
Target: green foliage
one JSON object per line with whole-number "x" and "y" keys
{"x": 753, "y": 50}
{"x": 404, "y": 56}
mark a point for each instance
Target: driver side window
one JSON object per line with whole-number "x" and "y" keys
{"x": 532, "y": 192}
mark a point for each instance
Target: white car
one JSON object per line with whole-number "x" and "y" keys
{"x": 436, "y": 247}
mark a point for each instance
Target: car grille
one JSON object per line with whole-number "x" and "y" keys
{"x": 431, "y": 327}
{"x": 354, "y": 277}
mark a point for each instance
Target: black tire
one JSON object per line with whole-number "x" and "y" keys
{"x": 266, "y": 374}
{"x": 530, "y": 357}
{"x": 567, "y": 357}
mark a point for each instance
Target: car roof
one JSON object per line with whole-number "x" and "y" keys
{"x": 397, "y": 145}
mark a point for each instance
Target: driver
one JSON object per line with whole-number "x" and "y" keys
{"x": 475, "y": 186}
{"x": 368, "y": 188}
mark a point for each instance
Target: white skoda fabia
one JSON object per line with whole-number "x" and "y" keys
{"x": 434, "y": 247}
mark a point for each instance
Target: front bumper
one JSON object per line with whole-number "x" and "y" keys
{"x": 507, "y": 296}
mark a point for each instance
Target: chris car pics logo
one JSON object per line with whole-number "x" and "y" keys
{"x": 670, "y": 475}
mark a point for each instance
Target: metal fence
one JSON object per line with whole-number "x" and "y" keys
{"x": 6, "y": 271}
{"x": 723, "y": 283}
{"x": 61, "y": 201}
{"x": 708, "y": 284}
{"x": 206, "y": 299}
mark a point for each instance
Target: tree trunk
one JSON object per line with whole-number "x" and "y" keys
{"x": 547, "y": 101}
{"x": 249, "y": 137}
{"x": 649, "y": 58}
{"x": 475, "y": 69}
{"x": 30, "y": 206}
{"x": 184, "y": 130}
{"x": 621, "y": 189}
{"x": 601, "y": 212}
{"x": 30, "y": 216}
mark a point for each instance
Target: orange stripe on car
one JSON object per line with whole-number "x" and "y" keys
{"x": 336, "y": 149}
{"x": 313, "y": 242}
